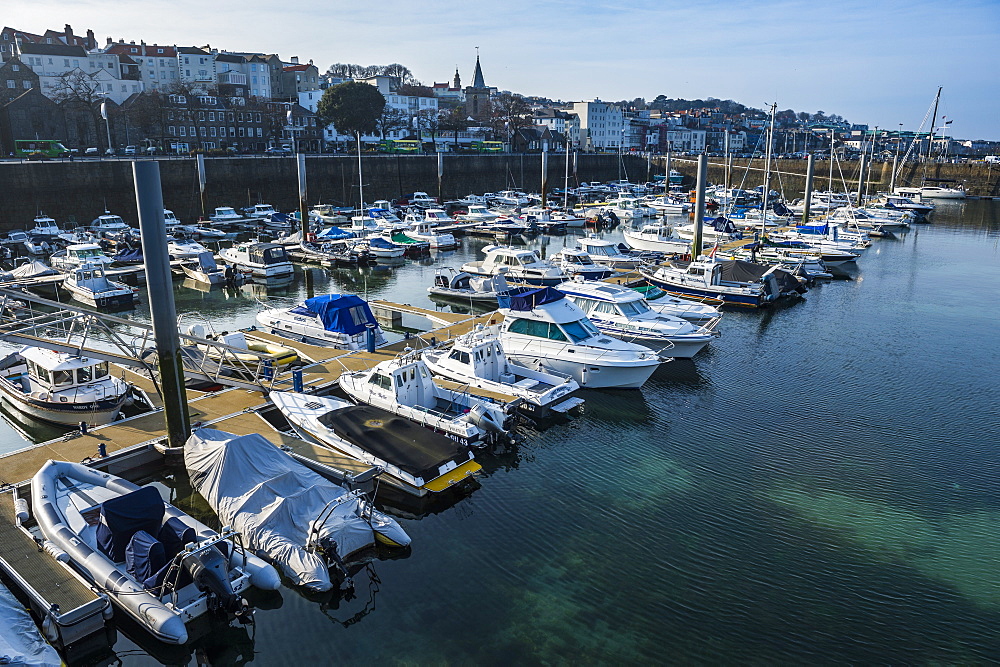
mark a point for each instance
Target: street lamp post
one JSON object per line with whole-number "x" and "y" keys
{"x": 104, "y": 115}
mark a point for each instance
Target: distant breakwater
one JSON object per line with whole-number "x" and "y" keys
{"x": 79, "y": 191}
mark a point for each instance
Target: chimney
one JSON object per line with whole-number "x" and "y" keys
{"x": 110, "y": 41}
{"x": 91, "y": 40}
{"x": 295, "y": 60}
{"x": 69, "y": 34}
{"x": 310, "y": 61}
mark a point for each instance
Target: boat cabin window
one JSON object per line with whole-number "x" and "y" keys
{"x": 100, "y": 370}
{"x": 633, "y": 308}
{"x": 459, "y": 356}
{"x": 39, "y": 373}
{"x": 696, "y": 271}
{"x": 546, "y": 330}
{"x": 380, "y": 380}
{"x": 62, "y": 378}
{"x": 580, "y": 330}
{"x": 84, "y": 375}
{"x": 605, "y": 307}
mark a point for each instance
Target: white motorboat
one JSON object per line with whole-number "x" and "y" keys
{"x": 477, "y": 213}
{"x": 624, "y": 313}
{"x": 46, "y": 227}
{"x": 544, "y": 330}
{"x": 695, "y": 312}
{"x": 666, "y": 205}
{"x": 286, "y": 513}
{"x": 576, "y": 262}
{"x": 38, "y": 245}
{"x": 423, "y": 229}
{"x": 466, "y": 287}
{"x": 170, "y": 220}
{"x": 157, "y": 564}
{"x": 905, "y": 203}
{"x": 89, "y": 284}
{"x": 630, "y": 208}
{"x": 736, "y": 283}
{"x": 226, "y": 215}
{"x": 264, "y": 260}
{"x": 185, "y": 249}
{"x": 343, "y": 321}
{"x": 62, "y": 388}
{"x": 935, "y": 192}
{"x": 415, "y": 459}
{"x": 259, "y": 211}
{"x": 521, "y": 265}
{"x": 78, "y": 254}
{"x": 478, "y": 360}
{"x": 657, "y": 238}
{"x": 379, "y": 248}
{"x": 607, "y": 253}
{"x": 403, "y": 386}
{"x": 109, "y": 225}
{"x": 204, "y": 269}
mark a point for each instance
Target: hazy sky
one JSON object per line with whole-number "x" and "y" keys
{"x": 872, "y": 61}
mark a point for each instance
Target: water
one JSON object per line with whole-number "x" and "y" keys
{"x": 819, "y": 487}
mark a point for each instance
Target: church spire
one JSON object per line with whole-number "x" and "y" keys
{"x": 458, "y": 79}
{"x": 477, "y": 78}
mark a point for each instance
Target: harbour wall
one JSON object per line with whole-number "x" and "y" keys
{"x": 79, "y": 191}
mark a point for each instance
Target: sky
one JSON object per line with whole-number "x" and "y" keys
{"x": 878, "y": 62}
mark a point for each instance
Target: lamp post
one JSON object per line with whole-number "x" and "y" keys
{"x": 104, "y": 115}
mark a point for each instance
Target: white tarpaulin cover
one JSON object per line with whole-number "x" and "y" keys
{"x": 20, "y": 641}
{"x": 272, "y": 500}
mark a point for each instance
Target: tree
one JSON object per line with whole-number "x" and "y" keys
{"x": 390, "y": 120}
{"x": 453, "y": 120}
{"x": 427, "y": 119}
{"x": 80, "y": 93}
{"x": 351, "y": 107}
{"x": 508, "y": 114}
{"x": 415, "y": 90}
{"x": 401, "y": 72}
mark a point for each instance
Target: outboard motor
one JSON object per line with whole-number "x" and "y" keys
{"x": 209, "y": 570}
{"x": 484, "y": 418}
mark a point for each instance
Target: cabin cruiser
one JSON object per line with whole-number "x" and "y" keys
{"x": 478, "y": 360}
{"x": 477, "y": 213}
{"x": 343, "y": 321}
{"x": 108, "y": 224}
{"x": 607, "y": 253}
{"x": 737, "y": 283}
{"x": 87, "y": 283}
{"x": 185, "y": 249}
{"x": 204, "y": 269}
{"x": 466, "y": 287}
{"x": 521, "y": 266}
{"x": 696, "y": 312}
{"x": 403, "y": 386}
{"x": 422, "y": 229}
{"x": 46, "y": 227}
{"x": 796, "y": 262}
{"x": 935, "y": 192}
{"x": 170, "y": 220}
{"x": 905, "y": 203}
{"x": 77, "y": 254}
{"x": 658, "y": 238}
{"x": 829, "y": 235}
{"x": 576, "y": 262}
{"x": 62, "y": 388}
{"x": 624, "y": 313}
{"x": 158, "y": 565}
{"x": 542, "y": 329}
{"x": 259, "y": 211}
{"x": 630, "y": 208}
{"x": 286, "y": 513}
{"x": 225, "y": 215}
{"x": 264, "y": 260}
{"x": 415, "y": 459}
{"x": 328, "y": 214}
{"x": 663, "y": 204}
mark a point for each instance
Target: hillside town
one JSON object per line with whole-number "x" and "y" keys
{"x": 128, "y": 97}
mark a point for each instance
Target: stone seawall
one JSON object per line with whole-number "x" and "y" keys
{"x": 79, "y": 191}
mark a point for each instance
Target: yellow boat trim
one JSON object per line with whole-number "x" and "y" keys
{"x": 453, "y": 477}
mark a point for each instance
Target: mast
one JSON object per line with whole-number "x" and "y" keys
{"x": 767, "y": 171}
{"x": 930, "y": 138}
{"x": 832, "y": 135}
{"x": 566, "y": 175}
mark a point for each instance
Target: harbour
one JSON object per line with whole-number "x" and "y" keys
{"x": 811, "y": 483}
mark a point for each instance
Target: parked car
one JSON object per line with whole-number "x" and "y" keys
{"x": 279, "y": 150}
{"x": 130, "y": 150}
{"x": 91, "y": 151}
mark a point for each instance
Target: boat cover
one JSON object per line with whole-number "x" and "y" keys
{"x": 379, "y": 242}
{"x": 724, "y": 225}
{"x": 527, "y": 298}
{"x": 33, "y": 269}
{"x": 124, "y": 516}
{"x": 129, "y": 256}
{"x": 736, "y": 270}
{"x": 395, "y": 439}
{"x": 781, "y": 209}
{"x": 344, "y": 313}
{"x": 272, "y": 500}
{"x": 20, "y": 641}
{"x": 813, "y": 229}
{"x": 334, "y": 234}
{"x": 206, "y": 261}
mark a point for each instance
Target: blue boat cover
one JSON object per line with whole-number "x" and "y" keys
{"x": 724, "y": 225}
{"x": 129, "y": 256}
{"x": 346, "y": 313}
{"x": 334, "y": 234}
{"x": 145, "y": 556}
{"x": 813, "y": 229}
{"x": 528, "y": 298}
{"x": 781, "y": 209}
{"x": 125, "y": 515}
{"x": 379, "y": 242}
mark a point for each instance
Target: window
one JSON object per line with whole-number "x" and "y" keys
{"x": 27, "y": 84}
{"x": 581, "y": 330}
{"x": 380, "y": 380}
{"x": 171, "y": 130}
{"x": 15, "y": 68}
{"x": 201, "y": 115}
{"x": 183, "y": 131}
{"x": 259, "y": 132}
{"x": 62, "y": 378}
{"x": 459, "y": 356}
{"x": 84, "y": 375}
{"x": 211, "y": 115}
{"x": 537, "y": 329}
{"x": 202, "y": 131}
{"x": 232, "y": 131}
{"x": 193, "y": 131}
{"x": 159, "y": 51}
{"x": 66, "y": 62}
{"x": 242, "y": 131}
{"x": 211, "y": 131}
{"x": 11, "y": 83}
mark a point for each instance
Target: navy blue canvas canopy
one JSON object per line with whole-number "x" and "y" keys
{"x": 781, "y": 209}
{"x": 129, "y": 256}
{"x": 813, "y": 229}
{"x": 379, "y": 242}
{"x": 346, "y": 313}
{"x": 528, "y": 298}
{"x": 125, "y": 515}
{"x": 724, "y": 225}
{"x": 333, "y": 234}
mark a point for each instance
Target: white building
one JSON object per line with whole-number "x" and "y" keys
{"x": 602, "y": 125}
{"x": 157, "y": 65}
{"x": 65, "y": 70}
{"x": 196, "y": 67}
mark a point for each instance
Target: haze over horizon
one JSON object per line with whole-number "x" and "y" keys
{"x": 876, "y": 65}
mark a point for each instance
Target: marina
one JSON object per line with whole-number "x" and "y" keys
{"x": 712, "y": 471}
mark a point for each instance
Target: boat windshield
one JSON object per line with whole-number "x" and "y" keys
{"x": 62, "y": 378}
{"x": 580, "y": 330}
{"x": 601, "y": 250}
{"x": 547, "y": 330}
{"x": 633, "y": 308}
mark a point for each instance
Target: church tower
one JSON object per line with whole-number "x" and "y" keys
{"x": 477, "y": 96}
{"x": 458, "y": 80}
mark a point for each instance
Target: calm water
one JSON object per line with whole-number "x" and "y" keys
{"x": 819, "y": 487}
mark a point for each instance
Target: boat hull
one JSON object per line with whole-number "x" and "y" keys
{"x": 66, "y": 414}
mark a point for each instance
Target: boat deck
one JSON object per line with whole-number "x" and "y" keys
{"x": 23, "y": 557}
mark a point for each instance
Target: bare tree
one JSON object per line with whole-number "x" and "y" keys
{"x": 453, "y": 120}
{"x": 392, "y": 119}
{"x": 428, "y": 119}
{"x": 508, "y": 113}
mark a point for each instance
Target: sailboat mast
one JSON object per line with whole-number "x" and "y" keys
{"x": 767, "y": 170}
{"x": 566, "y": 175}
{"x": 930, "y": 138}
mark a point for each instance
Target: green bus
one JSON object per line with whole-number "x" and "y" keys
{"x": 399, "y": 146}
{"x": 47, "y": 147}
{"x": 487, "y": 146}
